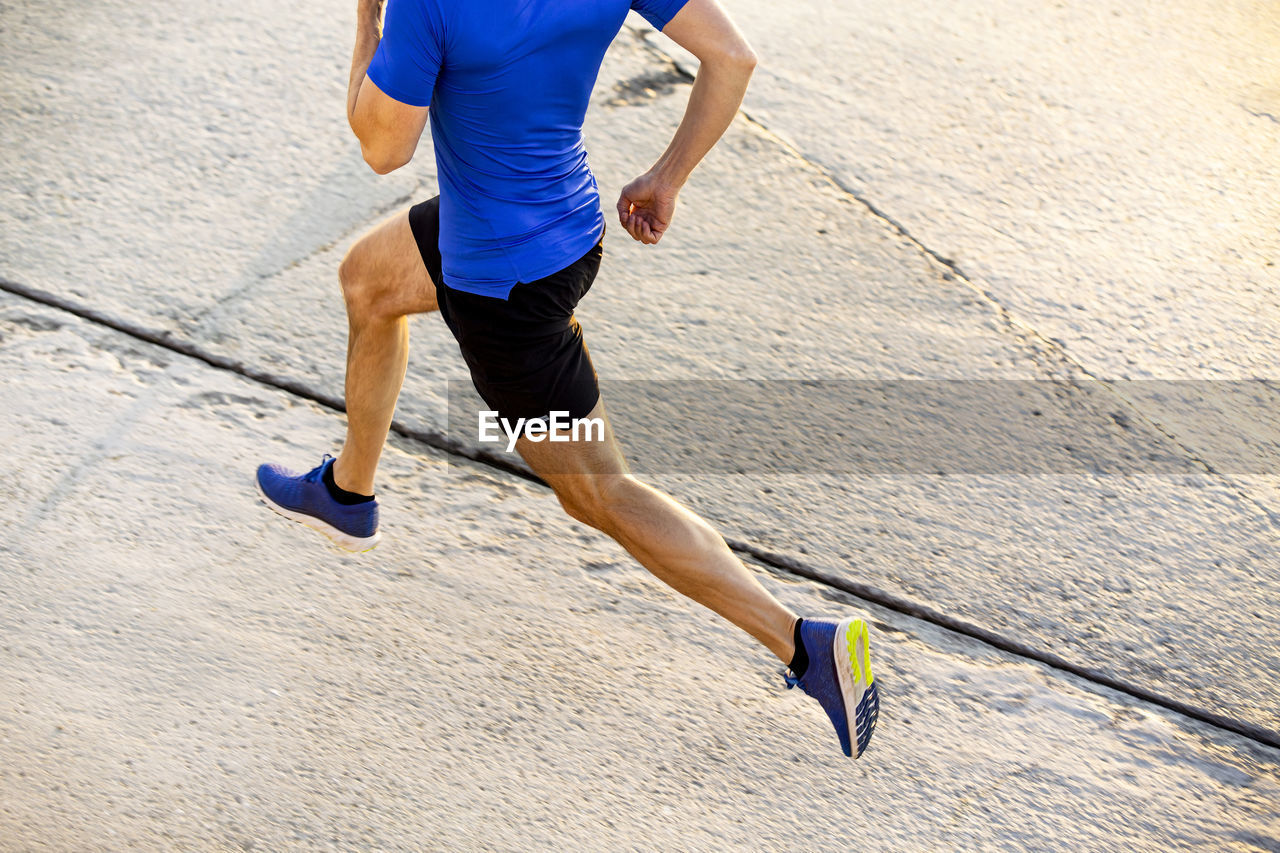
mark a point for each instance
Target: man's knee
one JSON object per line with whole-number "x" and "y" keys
{"x": 363, "y": 289}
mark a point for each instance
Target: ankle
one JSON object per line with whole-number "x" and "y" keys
{"x": 342, "y": 478}
{"x": 338, "y": 492}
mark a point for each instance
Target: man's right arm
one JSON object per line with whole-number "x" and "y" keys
{"x": 701, "y": 27}
{"x": 388, "y": 125}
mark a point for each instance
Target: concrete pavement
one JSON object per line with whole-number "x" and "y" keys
{"x": 188, "y": 172}
{"x": 187, "y": 671}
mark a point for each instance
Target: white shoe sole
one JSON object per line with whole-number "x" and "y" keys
{"x": 345, "y": 541}
{"x": 852, "y": 646}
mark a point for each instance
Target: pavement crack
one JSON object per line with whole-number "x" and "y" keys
{"x": 252, "y": 280}
{"x": 782, "y": 563}
{"x": 953, "y": 268}
{"x": 1260, "y": 114}
{"x": 1046, "y": 350}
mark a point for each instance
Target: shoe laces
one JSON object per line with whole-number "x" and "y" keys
{"x": 313, "y": 476}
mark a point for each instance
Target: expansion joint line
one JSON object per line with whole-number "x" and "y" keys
{"x": 781, "y": 563}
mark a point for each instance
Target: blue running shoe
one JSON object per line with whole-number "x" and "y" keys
{"x": 839, "y": 677}
{"x": 305, "y": 498}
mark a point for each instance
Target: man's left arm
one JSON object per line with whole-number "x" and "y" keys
{"x": 647, "y": 204}
{"x": 388, "y": 129}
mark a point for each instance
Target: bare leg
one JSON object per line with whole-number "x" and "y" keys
{"x": 383, "y": 280}
{"x": 592, "y": 482}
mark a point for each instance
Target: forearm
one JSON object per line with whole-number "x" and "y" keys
{"x": 717, "y": 93}
{"x": 368, "y": 34}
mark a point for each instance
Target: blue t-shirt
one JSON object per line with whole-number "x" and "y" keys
{"x": 508, "y": 84}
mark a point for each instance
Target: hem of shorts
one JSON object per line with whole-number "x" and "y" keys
{"x": 502, "y": 289}
{"x": 571, "y": 411}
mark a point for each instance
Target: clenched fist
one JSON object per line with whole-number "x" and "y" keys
{"x": 646, "y": 207}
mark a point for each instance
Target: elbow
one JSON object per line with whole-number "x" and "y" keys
{"x": 746, "y": 59}
{"x": 381, "y": 152}
{"x": 383, "y": 162}
{"x": 383, "y": 167}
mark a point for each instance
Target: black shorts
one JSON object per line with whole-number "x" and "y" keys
{"x": 526, "y": 353}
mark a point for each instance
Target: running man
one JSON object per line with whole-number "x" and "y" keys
{"x": 505, "y": 252}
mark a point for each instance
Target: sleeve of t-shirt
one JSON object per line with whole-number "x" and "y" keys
{"x": 408, "y": 58}
{"x": 658, "y": 12}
